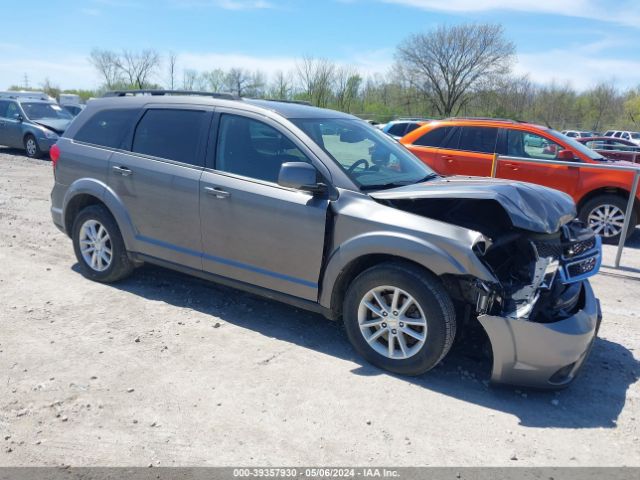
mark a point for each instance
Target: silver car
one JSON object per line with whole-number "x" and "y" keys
{"x": 32, "y": 123}
{"x": 317, "y": 209}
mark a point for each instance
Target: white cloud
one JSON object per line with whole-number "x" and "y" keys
{"x": 579, "y": 69}
{"x": 626, "y": 12}
{"x": 72, "y": 71}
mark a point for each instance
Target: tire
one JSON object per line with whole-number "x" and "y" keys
{"x": 86, "y": 227}
{"x": 596, "y": 209}
{"x": 31, "y": 147}
{"x": 432, "y": 306}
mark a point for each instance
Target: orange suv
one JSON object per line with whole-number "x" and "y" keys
{"x": 465, "y": 146}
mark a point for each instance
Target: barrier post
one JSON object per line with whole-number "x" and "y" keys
{"x": 627, "y": 217}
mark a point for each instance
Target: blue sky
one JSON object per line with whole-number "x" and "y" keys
{"x": 579, "y": 41}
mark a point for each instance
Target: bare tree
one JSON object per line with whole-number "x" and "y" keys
{"x": 316, "y": 76}
{"x": 603, "y": 103}
{"x": 107, "y": 63}
{"x": 449, "y": 62}
{"x": 237, "y": 80}
{"x": 189, "y": 79}
{"x": 138, "y": 67}
{"x": 282, "y": 86}
{"x": 347, "y": 84}
{"x": 214, "y": 80}
{"x": 172, "y": 61}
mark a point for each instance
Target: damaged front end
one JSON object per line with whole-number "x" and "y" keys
{"x": 540, "y": 313}
{"x": 542, "y": 316}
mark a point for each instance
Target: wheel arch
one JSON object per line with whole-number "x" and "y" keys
{"x": 85, "y": 192}
{"x": 621, "y": 192}
{"x": 361, "y": 253}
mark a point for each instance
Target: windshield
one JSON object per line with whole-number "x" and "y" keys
{"x": 41, "y": 111}
{"x": 368, "y": 156}
{"x": 576, "y": 146}
{"x": 635, "y": 135}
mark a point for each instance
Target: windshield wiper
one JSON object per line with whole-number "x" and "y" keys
{"x": 384, "y": 186}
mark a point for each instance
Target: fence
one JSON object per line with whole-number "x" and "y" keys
{"x": 633, "y": 186}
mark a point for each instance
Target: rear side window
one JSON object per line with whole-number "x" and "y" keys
{"x": 397, "y": 129}
{"x": 171, "y": 134}
{"x": 433, "y": 138}
{"x": 478, "y": 139}
{"x": 106, "y": 128}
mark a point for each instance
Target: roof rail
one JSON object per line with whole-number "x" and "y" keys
{"x": 298, "y": 102}
{"x": 506, "y": 120}
{"x": 126, "y": 93}
{"x": 32, "y": 95}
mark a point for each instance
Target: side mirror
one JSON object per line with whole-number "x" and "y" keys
{"x": 565, "y": 155}
{"x": 301, "y": 176}
{"x": 18, "y": 117}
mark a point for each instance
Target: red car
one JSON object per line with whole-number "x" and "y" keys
{"x": 614, "y": 148}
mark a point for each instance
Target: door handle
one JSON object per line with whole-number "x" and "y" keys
{"x": 448, "y": 158}
{"x": 217, "y": 192}
{"x": 124, "y": 171}
{"x": 514, "y": 166}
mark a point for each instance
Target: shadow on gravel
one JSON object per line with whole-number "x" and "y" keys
{"x": 595, "y": 399}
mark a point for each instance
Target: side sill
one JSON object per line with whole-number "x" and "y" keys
{"x": 247, "y": 287}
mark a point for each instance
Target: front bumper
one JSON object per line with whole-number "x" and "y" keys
{"x": 45, "y": 143}
{"x": 543, "y": 355}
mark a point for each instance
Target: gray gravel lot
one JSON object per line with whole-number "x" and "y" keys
{"x": 165, "y": 369}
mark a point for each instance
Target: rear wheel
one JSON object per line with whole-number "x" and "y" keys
{"x": 99, "y": 247}
{"x": 399, "y": 318}
{"x": 31, "y": 147}
{"x": 604, "y": 214}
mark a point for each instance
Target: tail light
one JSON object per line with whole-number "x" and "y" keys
{"x": 54, "y": 153}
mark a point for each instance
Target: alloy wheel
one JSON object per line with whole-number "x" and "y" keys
{"x": 606, "y": 220}
{"x": 392, "y": 322}
{"x": 31, "y": 147}
{"x": 95, "y": 245}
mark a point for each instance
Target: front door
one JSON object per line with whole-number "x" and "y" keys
{"x": 254, "y": 230}
{"x": 159, "y": 179}
{"x": 10, "y": 126}
{"x": 518, "y": 143}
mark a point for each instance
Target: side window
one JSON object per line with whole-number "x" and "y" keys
{"x": 478, "y": 139}
{"x": 453, "y": 140}
{"x": 171, "y": 134}
{"x": 433, "y": 138}
{"x": 411, "y": 127}
{"x": 3, "y": 108}
{"x": 625, "y": 135}
{"x": 253, "y": 149}
{"x": 530, "y": 145}
{"x": 12, "y": 110}
{"x": 397, "y": 129}
{"x": 617, "y": 134}
{"x": 106, "y": 128}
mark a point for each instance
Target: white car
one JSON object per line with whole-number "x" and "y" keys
{"x": 577, "y": 133}
{"x": 625, "y": 135}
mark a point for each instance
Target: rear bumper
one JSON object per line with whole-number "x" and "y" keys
{"x": 57, "y": 195}
{"x": 543, "y": 355}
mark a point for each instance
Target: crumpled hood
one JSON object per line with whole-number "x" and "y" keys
{"x": 529, "y": 206}
{"x": 58, "y": 125}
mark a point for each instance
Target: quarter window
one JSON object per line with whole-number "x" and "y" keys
{"x": 106, "y": 128}
{"x": 433, "y": 138}
{"x": 253, "y": 149}
{"x": 172, "y": 134}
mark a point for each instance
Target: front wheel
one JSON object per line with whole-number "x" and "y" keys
{"x": 31, "y": 147}
{"x": 400, "y": 318}
{"x": 604, "y": 214}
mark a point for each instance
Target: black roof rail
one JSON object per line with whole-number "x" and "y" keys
{"x": 507, "y": 120}
{"x": 125, "y": 93}
{"x": 298, "y": 102}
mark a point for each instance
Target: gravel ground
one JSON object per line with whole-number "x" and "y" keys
{"x": 165, "y": 369}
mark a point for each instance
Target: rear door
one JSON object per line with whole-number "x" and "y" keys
{"x": 254, "y": 230}
{"x": 426, "y": 147}
{"x": 10, "y": 126}
{"x": 158, "y": 180}
{"x": 522, "y": 144}
{"x": 469, "y": 151}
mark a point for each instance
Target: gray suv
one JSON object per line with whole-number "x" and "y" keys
{"x": 32, "y": 123}
{"x": 320, "y": 210}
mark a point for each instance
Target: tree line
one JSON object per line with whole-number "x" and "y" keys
{"x": 461, "y": 70}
